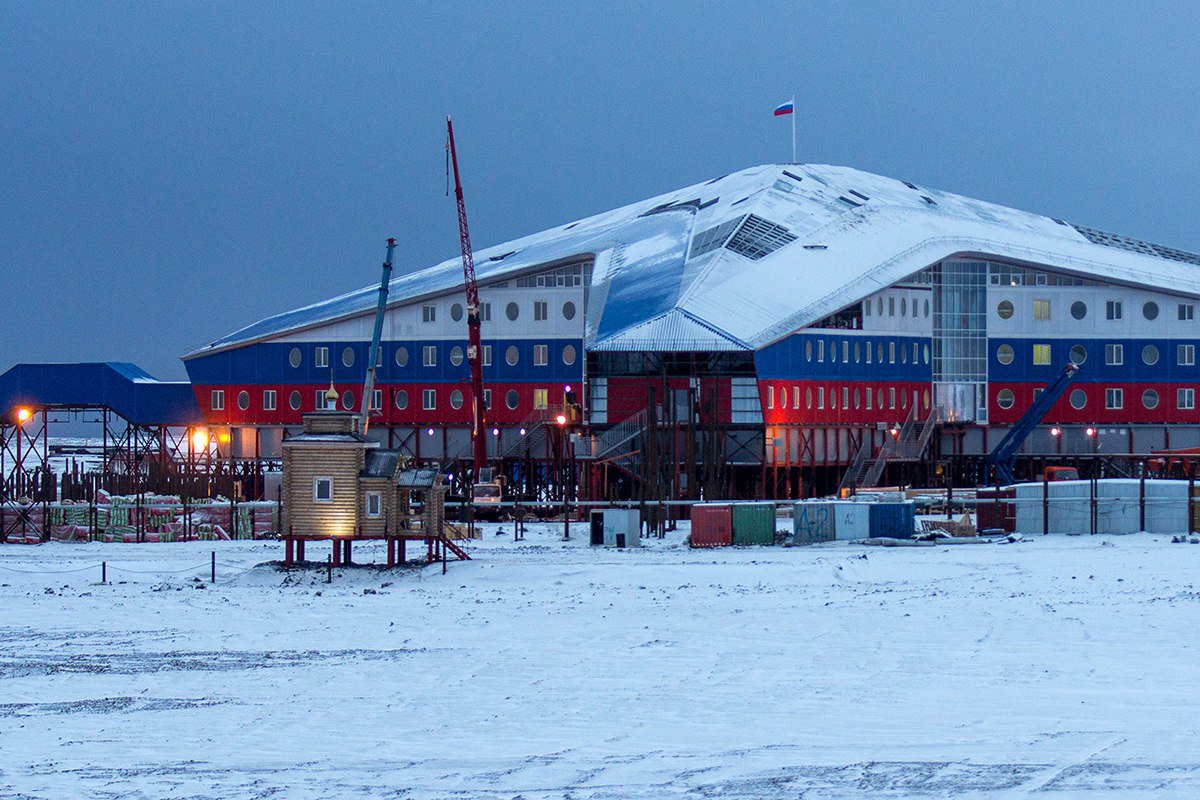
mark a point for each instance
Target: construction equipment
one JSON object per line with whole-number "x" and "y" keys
{"x": 474, "y": 343}
{"x": 373, "y": 359}
{"x": 999, "y": 465}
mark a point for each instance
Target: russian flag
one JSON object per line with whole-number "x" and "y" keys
{"x": 785, "y": 108}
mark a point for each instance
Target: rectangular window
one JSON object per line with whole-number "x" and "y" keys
{"x": 269, "y": 400}
{"x": 845, "y": 351}
{"x": 429, "y": 399}
{"x": 429, "y": 355}
{"x": 795, "y": 397}
{"x": 770, "y": 398}
{"x": 217, "y": 400}
{"x": 322, "y": 490}
{"x": 487, "y": 355}
{"x": 1114, "y": 398}
{"x": 820, "y": 349}
{"x": 540, "y": 311}
{"x": 820, "y": 397}
{"x": 1041, "y": 310}
{"x": 377, "y": 399}
{"x": 374, "y": 504}
{"x": 1112, "y": 309}
{"x": 866, "y": 308}
{"x": 891, "y": 397}
{"x": 321, "y": 357}
{"x": 485, "y": 312}
{"x": 1186, "y": 355}
{"x": 428, "y": 313}
{"x": 891, "y": 306}
{"x": 868, "y": 351}
{"x": 1187, "y": 312}
{"x": 891, "y": 352}
{"x": 1041, "y": 354}
{"x": 540, "y": 398}
{"x": 541, "y": 355}
{"x": 870, "y": 394}
{"x": 845, "y": 397}
{"x": 487, "y": 399}
{"x": 319, "y": 404}
{"x": 1185, "y": 399}
{"x": 1114, "y": 354}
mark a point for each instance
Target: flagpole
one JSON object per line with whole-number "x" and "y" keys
{"x": 793, "y": 129}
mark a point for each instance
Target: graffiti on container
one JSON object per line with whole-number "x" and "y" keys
{"x": 813, "y": 523}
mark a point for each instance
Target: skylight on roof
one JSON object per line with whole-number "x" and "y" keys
{"x": 757, "y": 237}
{"x": 1137, "y": 245}
{"x": 714, "y": 237}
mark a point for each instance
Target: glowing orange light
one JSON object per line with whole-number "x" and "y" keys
{"x": 199, "y": 441}
{"x": 23, "y": 414}
{"x": 561, "y": 419}
{"x": 223, "y": 438}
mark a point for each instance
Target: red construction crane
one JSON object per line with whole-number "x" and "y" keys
{"x": 474, "y": 346}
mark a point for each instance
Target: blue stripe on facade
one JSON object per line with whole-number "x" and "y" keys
{"x": 269, "y": 363}
{"x": 788, "y": 359}
{"x": 1094, "y": 368}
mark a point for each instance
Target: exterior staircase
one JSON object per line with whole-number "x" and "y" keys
{"x": 909, "y": 444}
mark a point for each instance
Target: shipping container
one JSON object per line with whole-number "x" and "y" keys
{"x": 996, "y": 509}
{"x": 712, "y": 525}
{"x": 851, "y": 521}
{"x": 622, "y": 527}
{"x": 892, "y": 520}
{"x": 813, "y": 522}
{"x": 753, "y": 523}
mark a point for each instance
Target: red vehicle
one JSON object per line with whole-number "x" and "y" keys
{"x": 1060, "y": 474}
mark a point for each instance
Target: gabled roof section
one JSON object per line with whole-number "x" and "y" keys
{"x": 674, "y": 331}
{"x": 755, "y": 254}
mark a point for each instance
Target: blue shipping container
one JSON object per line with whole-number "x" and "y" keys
{"x": 892, "y": 520}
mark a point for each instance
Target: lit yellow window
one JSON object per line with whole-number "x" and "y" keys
{"x": 1041, "y": 354}
{"x": 539, "y": 398}
{"x": 1041, "y": 309}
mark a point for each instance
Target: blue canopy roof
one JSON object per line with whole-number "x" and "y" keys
{"x": 125, "y": 388}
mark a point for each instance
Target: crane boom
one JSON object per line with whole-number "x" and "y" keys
{"x": 474, "y": 339}
{"x": 1001, "y": 460}
{"x": 373, "y": 359}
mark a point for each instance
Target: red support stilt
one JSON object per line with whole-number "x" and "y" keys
{"x": 391, "y": 553}
{"x": 288, "y": 546}
{"x": 337, "y": 552}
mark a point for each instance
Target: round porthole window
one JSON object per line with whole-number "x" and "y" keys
{"x": 512, "y": 355}
{"x": 926, "y": 354}
{"x": 401, "y": 356}
{"x": 512, "y": 311}
{"x": 243, "y": 400}
{"x": 1150, "y": 311}
{"x": 1079, "y": 309}
{"x": 401, "y": 399}
{"x": 1078, "y": 354}
{"x": 1004, "y": 309}
{"x": 511, "y": 399}
{"x": 456, "y": 355}
{"x": 347, "y": 399}
{"x": 1078, "y": 399}
{"x": 456, "y": 312}
{"x": 568, "y": 310}
{"x": 1150, "y": 355}
{"x": 1005, "y": 398}
{"x": 569, "y": 354}
{"x": 879, "y": 306}
{"x": 926, "y": 399}
{"x": 295, "y": 357}
{"x": 1150, "y": 398}
{"x": 456, "y": 399}
{"x": 348, "y": 357}
{"x": 857, "y": 352}
{"x": 294, "y": 400}
{"x": 1004, "y": 354}
{"x": 808, "y": 397}
{"x": 903, "y": 306}
{"x": 857, "y": 398}
{"x": 808, "y": 351}
{"x": 926, "y": 308}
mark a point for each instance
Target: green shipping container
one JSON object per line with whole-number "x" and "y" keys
{"x": 753, "y": 523}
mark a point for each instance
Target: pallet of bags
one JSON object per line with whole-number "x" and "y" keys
{"x": 68, "y": 533}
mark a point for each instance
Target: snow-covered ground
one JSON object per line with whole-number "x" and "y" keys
{"x": 1057, "y": 666}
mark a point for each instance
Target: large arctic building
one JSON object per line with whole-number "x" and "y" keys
{"x": 800, "y": 322}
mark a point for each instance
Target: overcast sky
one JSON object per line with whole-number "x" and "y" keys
{"x": 171, "y": 172}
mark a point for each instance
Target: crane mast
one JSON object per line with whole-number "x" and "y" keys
{"x": 364, "y": 414}
{"x": 474, "y": 345}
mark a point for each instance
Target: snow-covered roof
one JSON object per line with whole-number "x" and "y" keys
{"x": 741, "y": 260}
